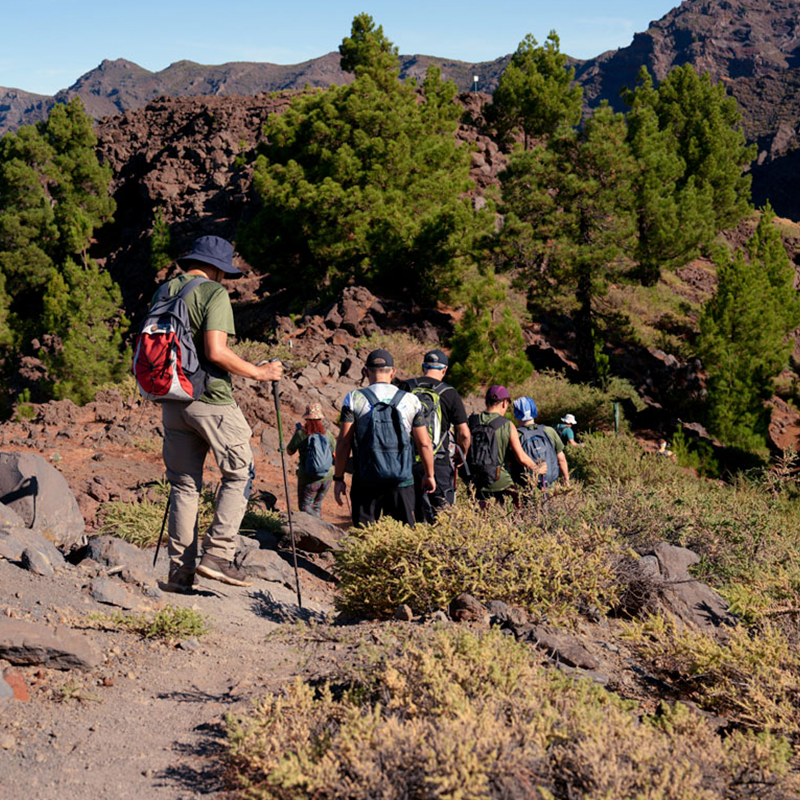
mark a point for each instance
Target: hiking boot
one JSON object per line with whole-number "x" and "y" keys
{"x": 180, "y": 580}
{"x": 219, "y": 570}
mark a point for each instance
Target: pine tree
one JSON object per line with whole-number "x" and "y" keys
{"x": 706, "y": 126}
{"x": 675, "y": 217}
{"x": 744, "y": 335}
{"x": 366, "y": 183}
{"x": 82, "y": 308}
{"x": 570, "y": 218}
{"x": 487, "y": 345}
{"x": 54, "y": 195}
{"x": 535, "y": 94}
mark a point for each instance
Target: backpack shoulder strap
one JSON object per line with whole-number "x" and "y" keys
{"x": 191, "y": 286}
{"x": 367, "y": 392}
{"x": 441, "y": 388}
{"x": 398, "y": 396}
{"x": 498, "y": 423}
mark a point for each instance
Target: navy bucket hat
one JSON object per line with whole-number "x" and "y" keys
{"x": 212, "y": 250}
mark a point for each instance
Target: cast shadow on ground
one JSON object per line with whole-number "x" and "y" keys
{"x": 200, "y": 766}
{"x": 266, "y": 606}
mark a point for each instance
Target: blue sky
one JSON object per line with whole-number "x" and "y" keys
{"x": 48, "y": 44}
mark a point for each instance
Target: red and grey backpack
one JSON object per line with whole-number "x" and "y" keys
{"x": 165, "y": 361}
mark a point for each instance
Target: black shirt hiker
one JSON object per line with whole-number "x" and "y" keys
{"x": 455, "y": 438}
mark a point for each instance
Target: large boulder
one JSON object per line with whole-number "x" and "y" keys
{"x": 16, "y": 541}
{"x": 132, "y": 564}
{"x": 671, "y": 589}
{"x": 25, "y": 643}
{"x": 41, "y": 497}
{"x": 312, "y": 534}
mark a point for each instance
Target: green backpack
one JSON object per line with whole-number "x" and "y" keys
{"x": 431, "y": 399}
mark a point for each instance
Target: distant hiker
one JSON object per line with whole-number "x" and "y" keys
{"x": 663, "y": 450}
{"x": 211, "y": 422}
{"x": 565, "y": 431}
{"x": 448, "y": 430}
{"x": 541, "y": 442}
{"x": 495, "y": 443}
{"x": 316, "y": 446}
{"x": 379, "y": 424}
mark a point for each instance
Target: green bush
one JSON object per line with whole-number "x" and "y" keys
{"x": 605, "y": 459}
{"x": 492, "y": 555}
{"x": 171, "y": 623}
{"x": 752, "y": 678}
{"x": 555, "y": 396}
{"x": 463, "y": 717}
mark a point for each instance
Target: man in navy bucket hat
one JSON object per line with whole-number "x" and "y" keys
{"x": 213, "y": 422}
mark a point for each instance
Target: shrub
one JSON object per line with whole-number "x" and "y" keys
{"x": 140, "y": 523}
{"x": 171, "y": 623}
{"x": 555, "y": 396}
{"x": 491, "y": 555}
{"x": 607, "y": 460}
{"x": 752, "y": 678}
{"x": 407, "y": 350}
{"x": 468, "y": 717}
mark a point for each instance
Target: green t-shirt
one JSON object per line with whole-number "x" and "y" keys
{"x": 504, "y": 453}
{"x": 299, "y": 444}
{"x": 209, "y": 309}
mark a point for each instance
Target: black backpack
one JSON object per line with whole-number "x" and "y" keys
{"x": 538, "y": 446}
{"x": 483, "y": 459}
{"x": 383, "y": 449}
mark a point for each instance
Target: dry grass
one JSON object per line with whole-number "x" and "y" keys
{"x": 462, "y": 717}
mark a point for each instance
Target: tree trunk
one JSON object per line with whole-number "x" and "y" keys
{"x": 587, "y": 363}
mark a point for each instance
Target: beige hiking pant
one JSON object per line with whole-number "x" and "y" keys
{"x": 190, "y": 431}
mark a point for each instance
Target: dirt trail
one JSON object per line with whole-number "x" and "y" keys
{"x": 146, "y": 723}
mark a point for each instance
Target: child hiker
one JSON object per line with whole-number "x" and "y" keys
{"x": 315, "y": 469}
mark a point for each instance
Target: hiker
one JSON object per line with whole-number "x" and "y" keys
{"x": 541, "y": 442}
{"x": 663, "y": 449}
{"x": 447, "y": 429}
{"x": 378, "y": 424}
{"x": 212, "y": 423}
{"x": 316, "y": 446}
{"x": 564, "y": 430}
{"x": 495, "y": 442}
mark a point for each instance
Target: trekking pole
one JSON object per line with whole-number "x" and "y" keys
{"x": 163, "y": 525}
{"x": 282, "y": 449}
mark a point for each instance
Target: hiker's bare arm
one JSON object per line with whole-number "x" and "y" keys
{"x": 425, "y": 451}
{"x": 574, "y": 443}
{"x": 342, "y": 453}
{"x": 218, "y": 353}
{"x": 562, "y": 465}
{"x": 463, "y": 436}
{"x": 520, "y": 454}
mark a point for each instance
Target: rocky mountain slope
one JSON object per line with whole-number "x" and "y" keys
{"x": 119, "y": 85}
{"x": 753, "y": 46}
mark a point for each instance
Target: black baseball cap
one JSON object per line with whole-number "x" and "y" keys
{"x": 435, "y": 358}
{"x": 380, "y": 358}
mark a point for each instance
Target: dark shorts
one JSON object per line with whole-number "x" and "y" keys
{"x": 372, "y": 502}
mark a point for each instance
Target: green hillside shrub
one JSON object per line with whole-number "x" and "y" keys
{"x": 492, "y": 555}
{"x": 593, "y": 407}
{"x": 456, "y": 716}
{"x": 752, "y": 677}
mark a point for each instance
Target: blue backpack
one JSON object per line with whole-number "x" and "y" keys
{"x": 536, "y": 444}
{"x": 319, "y": 456}
{"x": 383, "y": 449}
